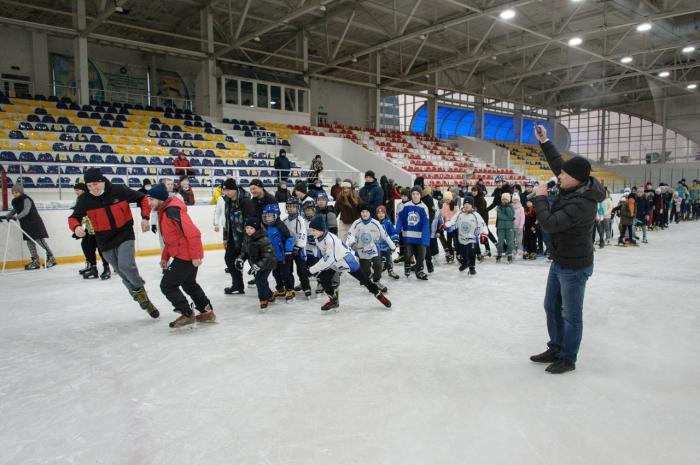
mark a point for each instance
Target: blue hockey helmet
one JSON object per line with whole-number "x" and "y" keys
{"x": 271, "y": 212}
{"x": 499, "y": 178}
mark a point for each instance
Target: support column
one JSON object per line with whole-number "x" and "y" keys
{"x": 552, "y": 120}
{"x": 378, "y": 93}
{"x": 518, "y": 124}
{"x": 303, "y": 54}
{"x": 479, "y": 119}
{"x": 206, "y": 95}
{"x": 40, "y": 63}
{"x": 80, "y": 55}
{"x": 153, "y": 80}
{"x": 603, "y": 131}
{"x": 432, "y": 123}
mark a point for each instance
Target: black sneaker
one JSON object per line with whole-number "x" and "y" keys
{"x": 548, "y": 356}
{"x": 562, "y": 365}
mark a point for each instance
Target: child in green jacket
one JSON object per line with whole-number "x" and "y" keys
{"x": 504, "y": 224}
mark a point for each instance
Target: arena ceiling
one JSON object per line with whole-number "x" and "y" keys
{"x": 461, "y": 45}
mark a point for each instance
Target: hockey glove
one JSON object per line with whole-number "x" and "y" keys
{"x": 254, "y": 270}
{"x": 239, "y": 264}
{"x": 154, "y": 229}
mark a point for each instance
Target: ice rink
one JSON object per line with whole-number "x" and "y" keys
{"x": 443, "y": 377}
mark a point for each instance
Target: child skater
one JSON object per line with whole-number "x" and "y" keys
{"x": 298, "y": 228}
{"x": 414, "y": 225}
{"x": 405, "y": 199}
{"x": 384, "y": 249}
{"x": 257, "y": 249}
{"x": 518, "y": 224}
{"x": 469, "y": 225}
{"x": 337, "y": 257}
{"x": 531, "y": 232}
{"x": 327, "y": 212}
{"x": 283, "y": 244}
{"x": 363, "y": 236}
{"x": 504, "y": 225}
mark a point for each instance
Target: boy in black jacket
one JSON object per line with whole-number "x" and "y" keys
{"x": 257, "y": 249}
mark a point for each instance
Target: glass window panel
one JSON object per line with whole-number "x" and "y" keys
{"x": 290, "y": 99}
{"x": 301, "y": 100}
{"x": 276, "y": 97}
{"x": 262, "y": 95}
{"x": 232, "y": 91}
{"x": 247, "y": 93}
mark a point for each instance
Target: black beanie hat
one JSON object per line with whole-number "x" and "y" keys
{"x": 417, "y": 189}
{"x": 370, "y": 174}
{"x": 159, "y": 191}
{"x": 230, "y": 183}
{"x": 253, "y": 222}
{"x": 317, "y": 223}
{"x": 257, "y": 182}
{"x": 301, "y": 187}
{"x": 93, "y": 175}
{"x": 578, "y": 168}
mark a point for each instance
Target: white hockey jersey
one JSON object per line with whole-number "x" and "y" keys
{"x": 363, "y": 238}
{"x": 334, "y": 254}
{"x": 468, "y": 225}
{"x": 298, "y": 228}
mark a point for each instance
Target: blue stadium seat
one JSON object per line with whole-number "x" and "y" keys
{"x": 41, "y": 127}
{"x": 78, "y": 158}
{"x": 195, "y": 162}
{"x": 95, "y": 115}
{"x": 40, "y": 111}
{"x": 45, "y": 158}
{"x": 107, "y": 117}
{"x": 167, "y": 172}
{"x": 194, "y": 182}
{"x": 121, "y": 118}
{"x": 87, "y": 130}
{"x": 33, "y": 118}
{"x": 118, "y": 181}
{"x": 134, "y": 183}
{"x": 65, "y": 181}
{"x": 117, "y": 124}
{"x": 27, "y": 156}
{"x": 96, "y": 139}
{"x": 45, "y": 182}
{"x": 167, "y": 160}
{"x": 106, "y": 148}
{"x": 176, "y": 128}
{"x": 244, "y": 182}
{"x": 14, "y": 134}
{"x": 164, "y": 135}
{"x": 219, "y": 173}
{"x": 141, "y": 160}
{"x": 175, "y": 135}
{"x": 35, "y": 169}
{"x": 209, "y": 153}
{"x": 96, "y": 159}
{"x": 248, "y": 134}
{"x": 250, "y": 163}
{"x": 218, "y": 162}
{"x": 91, "y": 148}
{"x": 87, "y": 108}
{"x": 197, "y": 153}
{"x": 83, "y": 114}
{"x": 175, "y": 143}
{"x": 72, "y": 128}
{"x": 165, "y": 127}
{"x": 52, "y": 169}
{"x": 267, "y": 182}
{"x": 62, "y": 120}
{"x": 24, "y": 126}
{"x": 121, "y": 170}
{"x": 26, "y": 181}
{"x": 112, "y": 159}
{"x": 105, "y": 124}
{"x": 156, "y": 161}
{"x": 109, "y": 170}
{"x": 198, "y": 137}
{"x": 154, "y": 127}
{"x": 221, "y": 146}
{"x": 163, "y": 143}
{"x": 187, "y": 136}
{"x": 207, "y": 162}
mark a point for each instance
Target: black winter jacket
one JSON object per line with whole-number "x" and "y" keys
{"x": 569, "y": 221}
{"x": 258, "y": 250}
{"x": 25, "y": 211}
{"x": 235, "y": 213}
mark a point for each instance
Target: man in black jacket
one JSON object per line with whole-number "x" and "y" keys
{"x": 237, "y": 208}
{"x": 282, "y": 163}
{"x": 569, "y": 223}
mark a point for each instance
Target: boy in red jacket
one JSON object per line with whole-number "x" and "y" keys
{"x": 182, "y": 242}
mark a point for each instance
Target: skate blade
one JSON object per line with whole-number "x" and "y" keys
{"x": 183, "y": 328}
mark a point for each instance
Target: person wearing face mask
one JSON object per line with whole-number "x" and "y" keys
{"x": 316, "y": 188}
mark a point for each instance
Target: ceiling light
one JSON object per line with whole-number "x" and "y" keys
{"x": 692, "y": 86}
{"x": 495, "y": 57}
{"x": 322, "y": 7}
{"x": 574, "y": 41}
{"x": 688, "y": 49}
{"x": 257, "y": 39}
{"x": 643, "y": 27}
{"x": 664, "y": 74}
{"x": 421, "y": 37}
{"x": 354, "y": 59}
{"x": 626, "y": 59}
{"x": 507, "y": 14}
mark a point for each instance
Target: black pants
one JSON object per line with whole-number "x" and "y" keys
{"x": 629, "y": 229}
{"x": 89, "y": 246}
{"x": 232, "y": 253}
{"x": 467, "y": 254}
{"x": 261, "y": 282}
{"x": 302, "y": 271}
{"x": 326, "y": 278}
{"x": 418, "y": 251}
{"x": 530, "y": 242}
{"x": 372, "y": 267}
{"x": 183, "y": 274}
{"x": 449, "y": 241}
{"x": 283, "y": 276}
{"x": 386, "y": 259}
{"x": 491, "y": 238}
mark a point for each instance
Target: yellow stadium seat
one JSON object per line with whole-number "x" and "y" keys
{"x": 9, "y": 124}
{"x": 42, "y": 147}
{"x": 122, "y": 150}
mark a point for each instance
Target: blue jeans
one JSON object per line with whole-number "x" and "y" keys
{"x": 563, "y": 304}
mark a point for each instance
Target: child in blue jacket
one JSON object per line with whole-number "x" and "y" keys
{"x": 283, "y": 244}
{"x": 384, "y": 249}
{"x": 414, "y": 225}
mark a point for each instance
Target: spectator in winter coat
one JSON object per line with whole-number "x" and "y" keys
{"x": 626, "y": 223}
{"x": 24, "y": 210}
{"x": 607, "y": 218}
{"x": 301, "y": 192}
{"x": 182, "y": 242}
{"x": 371, "y": 193}
{"x": 237, "y": 208}
{"x": 257, "y": 249}
{"x": 145, "y": 187}
{"x": 327, "y": 212}
{"x": 347, "y": 207}
{"x": 599, "y": 225}
{"x": 260, "y": 196}
{"x": 316, "y": 166}
{"x": 186, "y": 191}
{"x": 505, "y": 217}
{"x": 107, "y": 207}
{"x": 336, "y": 189}
{"x": 316, "y": 188}
{"x": 531, "y": 232}
{"x": 181, "y": 163}
{"x": 282, "y": 164}
{"x": 675, "y": 208}
{"x": 569, "y": 223}
{"x": 282, "y": 193}
{"x": 518, "y": 224}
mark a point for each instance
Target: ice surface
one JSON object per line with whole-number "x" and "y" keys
{"x": 443, "y": 378}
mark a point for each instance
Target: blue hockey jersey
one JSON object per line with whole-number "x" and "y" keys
{"x": 414, "y": 224}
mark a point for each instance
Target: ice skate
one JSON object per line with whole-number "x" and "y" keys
{"x": 83, "y": 270}
{"x": 233, "y": 290}
{"x": 33, "y": 265}
{"x": 429, "y": 266}
{"x": 399, "y": 259}
{"x": 263, "y": 305}
{"x": 392, "y": 274}
{"x": 480, "y": 258}
{"x": 472, "y": 271}
{"x": 290, "y": 296}
{"x": 498, "y": 259}
{"x": 50, "y": 261}
{"x": 333, "y": 302}
{"x": 421, "y": 275}
{"x": 251, "y": 283}
{"x": 281, "y": 293}
{"x": 207, "y": 315}
{"x": 510, "y": 259}
{"x": 319, "y": 288}
{"x": 91, "y": 273}
{"x": 449, "y": 258}
{"x": 297, "y": 288}
{"x": 307, "y": 294}
{"x": 106, "y": 274}
{"x": 182, "y": 321}
{"x": 462, "y": 267}
{"x": 407, "y": 271}
{"x": 383, "y": 299}
{"x": 141, "y": 297}
{"x": 644, "y": 241}
{"x": 381, "y": 286}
